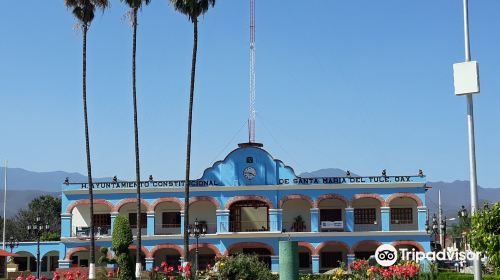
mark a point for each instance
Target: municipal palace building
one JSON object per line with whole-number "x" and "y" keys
{"x": 249, "y": 201}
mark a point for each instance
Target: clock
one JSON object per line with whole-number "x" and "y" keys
{"x": 249, "y": 173}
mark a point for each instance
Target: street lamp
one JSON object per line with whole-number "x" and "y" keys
{"x": 443, "y": 229}
{"x": 197, "y": 230}
{"x": 12, "y": 243}
{"x": 464, "y": 214}
{"x": 432, "y": 229}
{"x": 37, "y": 229}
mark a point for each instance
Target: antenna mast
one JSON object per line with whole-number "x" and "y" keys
{"x": 251, "y": 117}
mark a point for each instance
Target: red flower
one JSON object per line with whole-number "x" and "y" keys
{"x": 78, "y": 274}
{"x": 171, "y": 278}
{"x": 163, "y": 264}
{"x": 43, "y": 277}
{"x": 156, "y": 269}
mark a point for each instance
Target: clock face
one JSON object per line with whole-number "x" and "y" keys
{"x": 249, "y": 173}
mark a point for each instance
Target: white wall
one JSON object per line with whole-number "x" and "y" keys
{"x": 165, "y": 207}
{"x": 204, "y": 211}
{"x": 80, "y": 216}
{"x": 132, "y": 208}
{"x": 254, "y": 218}
{"x": 292, "y": 209}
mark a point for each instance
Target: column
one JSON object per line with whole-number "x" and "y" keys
{"x": 385, "y": 218}
{"x": 151, "y": 223}
{"x": 113, "y": 217}
{"x": 422, "y": 217}
{"x": 275, "y": 264}
{"x": 314, "y": 219}
{"x": 350, "y": 259}
{"x": 349, "y": 219}
{"x": 222, "y": 220}
{"x": 315, "y": 263}
{"x": 182, "y": 223}
{"x": 149, "y": 264}
{"x": 275, "y": 220}
{"x": 66, "y": 225}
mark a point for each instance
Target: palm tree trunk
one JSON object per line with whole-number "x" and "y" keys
{"x": 137, "y": 166}
{"x": 188, "y": 150}
{"x": 87, "y": 150}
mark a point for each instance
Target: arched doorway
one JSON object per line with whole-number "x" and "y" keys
{"x": 25, "y": 261}
{"x": 365, "y": 249}
{"x": 249, "y": 215}
{"x": 331, "y": 255}
{"x": 169, "y": 255}
{"x": 168, "y": 217}
{"x": 205, "y": 212}
{"x": 367, "y": 214}
{"x": 129, "y": 210}
{"x": 332, "y": 213}
{"x": 404, "y": 214}
{"x": 80, "y": 223}
{"x": 296, "y": 215}
{"x": 50, "y": 262}
{"x": 206, "y": 256}
{"x": 263, "y": 251}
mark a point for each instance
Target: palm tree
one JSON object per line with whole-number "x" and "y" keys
{"x": 192, "y": 9}
{"x": 83, "y": 10}
{"x": 135, "y": 5}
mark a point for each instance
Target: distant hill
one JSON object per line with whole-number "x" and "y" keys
{"x": 453, "y": 195}
{"x": 17, "y": 200}
{"x": 25, "y": 185}
{"x": 456, "y": 194}
{"x": 327, "y": 172}
{"x": 22, "y": 179}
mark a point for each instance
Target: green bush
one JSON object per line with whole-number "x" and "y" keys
{"x": 243, "y": 267}
{"x": 463, "y": 276}
{"x": 122, "y": 238}
{"x": 314, "y": 277}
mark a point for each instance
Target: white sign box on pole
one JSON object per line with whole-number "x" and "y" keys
{"x": 466, "y": 77}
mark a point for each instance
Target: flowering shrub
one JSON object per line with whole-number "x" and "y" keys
{"x": 167, "y": 272}
{"x": 239, "y": 267}
{"x": 404, "y": 271}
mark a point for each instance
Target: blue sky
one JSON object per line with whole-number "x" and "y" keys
{"x": 359, "y": 85}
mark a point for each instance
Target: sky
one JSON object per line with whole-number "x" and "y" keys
{"x": 359, "y": 85}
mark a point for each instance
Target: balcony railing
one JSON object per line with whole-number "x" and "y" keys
{"x": 84, "y": 232}
{"x": 248, "y": 226}
{"x": 168, "y": 229}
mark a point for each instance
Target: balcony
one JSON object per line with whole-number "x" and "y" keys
{"x": 84, "y": 232}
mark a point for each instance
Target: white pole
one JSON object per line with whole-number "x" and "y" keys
{"x": 4, "y": 206}
{"x": 470, "y": 136}
{"x": 440, "y": 217}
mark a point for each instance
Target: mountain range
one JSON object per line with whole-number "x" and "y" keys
{"x": 24, "y": 185}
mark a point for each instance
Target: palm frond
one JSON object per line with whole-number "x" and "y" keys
{"x": 192, "y": 8}
{"x": 84, "y": 10}
{"x": 136, "y": 4}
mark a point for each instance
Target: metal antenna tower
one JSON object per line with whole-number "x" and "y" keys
{"x": 251, "y": 117}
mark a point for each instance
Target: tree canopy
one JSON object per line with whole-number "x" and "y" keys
{"x": 485, "y": 234}
{"x": 192, "y": 8}
{"x": 48, "y": 208}
{"x": 84, "y": 10}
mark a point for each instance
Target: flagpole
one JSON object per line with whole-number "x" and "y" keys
{"x": 4, "y": 206}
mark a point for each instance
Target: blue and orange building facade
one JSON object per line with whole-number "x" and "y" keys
{"x": 249, "y": 201}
